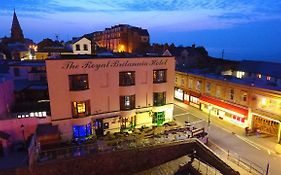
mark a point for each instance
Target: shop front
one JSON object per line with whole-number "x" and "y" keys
{"x": 225, "y": 111}
{"x": 194, "y": 100}
{"x": 186, "y": 98}
{"x": 179, "y": 94}
{"x": 265, "y": 124}
{"x": 158, "y": 118}
{"x": 82, "y": 132}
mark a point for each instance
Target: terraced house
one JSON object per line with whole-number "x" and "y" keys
{"x": 249, "y": 96}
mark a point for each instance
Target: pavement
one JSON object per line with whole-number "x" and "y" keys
{"x": 256, "y": 150}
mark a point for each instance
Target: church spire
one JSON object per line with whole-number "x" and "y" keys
{"x": 16, "y": 32}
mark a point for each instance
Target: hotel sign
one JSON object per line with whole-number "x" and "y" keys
{"x": 113, "y": 64}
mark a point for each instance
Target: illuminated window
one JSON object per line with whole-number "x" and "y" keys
{"x": 259, "y": 76}
{"x": 81, "y": 108}
{"x": 127, "y": 102}
{"x": 240, "y": 74}
{"x": 263, "y": 101}
{"x": 160, "y": 76}
{"x": 127, "y": 78}
{"x": 268, "y": 78}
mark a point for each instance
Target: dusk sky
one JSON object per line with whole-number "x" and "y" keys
{"x": 245, "y": 29}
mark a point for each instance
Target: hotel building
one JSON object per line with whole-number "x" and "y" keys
{"x": 91, "y": 95}
{"x": 122, "y": 38}
{"x": 244, "y": 102}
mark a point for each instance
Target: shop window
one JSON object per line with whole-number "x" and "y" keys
{"x": 81, "y": 108}
{"x": 194, "y": 100}
{"x": 77, "y": 47}
{"x": 127, "y": 78}
{"x": 159, "y": 98}
{"x": 78, "y": 82}
{"x": 82, "y": 131}
{"x": 127, "y": 102}
{"x": 160, "y": 76}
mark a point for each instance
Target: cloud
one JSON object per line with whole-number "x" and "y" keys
{"x": 184, "y": 15}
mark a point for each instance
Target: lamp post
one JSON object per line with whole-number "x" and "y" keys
{"x": 209, "y": 117}
{"x": 23, "y": 135}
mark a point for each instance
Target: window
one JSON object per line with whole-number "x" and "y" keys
{"x": 127, "y": 78}
{"x": 190, "y": 83}
{"x": 231, "y": 94}
{"x": 82, "y": 131}
{"x": 81, "y": 108}
{"x": 127, "y": 102}
{"x": 159, "y": 76}
{"x": 218, "y": 91}
{"x": 244, "y": 96}
{"x": 240, "y": 74}
{"x": 77, "y": 47}
{"x": 159, "y": 98}
{"x": 78, "y": 82}
{"x": 16, "y": 72}
{"x": 85, "y": 46}
{"x": 198, "y": 85}
{"x": 259, "y": 76}
{"x": 208, "y": 88}
{"x": 268, "y": 78}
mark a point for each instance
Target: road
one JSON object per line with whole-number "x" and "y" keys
{"x": 227, "y": 137}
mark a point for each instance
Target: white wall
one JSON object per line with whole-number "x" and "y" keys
{"x": 82, "y": 42}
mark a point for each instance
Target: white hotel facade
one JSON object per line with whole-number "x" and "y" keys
{"x": 98, "y": 95}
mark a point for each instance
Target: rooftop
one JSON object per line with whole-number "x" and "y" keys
{"x": 245, "y": 81}
{"x": 261, "y": 67}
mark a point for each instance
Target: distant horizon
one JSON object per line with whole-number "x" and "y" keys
{"x": 243, "y": 29}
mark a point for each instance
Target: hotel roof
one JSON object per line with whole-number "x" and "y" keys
{"x": 107, "y": 56}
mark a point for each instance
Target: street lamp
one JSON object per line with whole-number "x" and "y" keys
{"x": 23, "y": 136}
{"x": 209, "y": 117}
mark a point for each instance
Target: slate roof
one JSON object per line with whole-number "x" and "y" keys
{"x": 261, "y": 67}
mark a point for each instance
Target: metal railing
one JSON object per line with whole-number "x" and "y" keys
{"x": 246, "y": 164}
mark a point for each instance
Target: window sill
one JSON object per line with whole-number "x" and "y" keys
{"x": 79, "y": 89}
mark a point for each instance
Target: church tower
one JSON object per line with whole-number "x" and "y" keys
{"x": 16, "y": 32}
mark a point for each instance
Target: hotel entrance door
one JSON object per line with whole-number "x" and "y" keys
{"x": 159, "y": 118}
{"x": 99, "y": 127}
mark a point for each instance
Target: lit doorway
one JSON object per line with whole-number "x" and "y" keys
{"x": 159, "y": 118}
